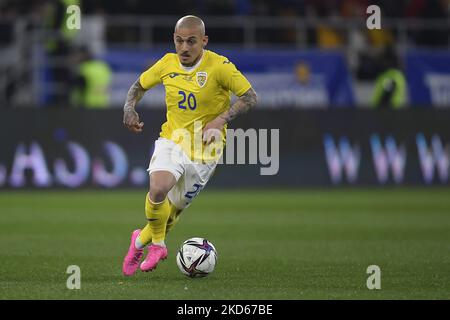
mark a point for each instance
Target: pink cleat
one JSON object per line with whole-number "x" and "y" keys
{"x": 133, "y": 257}
{"x": 155, "y": 254}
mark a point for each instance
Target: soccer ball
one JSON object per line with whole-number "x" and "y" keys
{"x": 197, "y": 257}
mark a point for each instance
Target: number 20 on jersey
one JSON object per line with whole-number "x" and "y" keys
{"x": 187, "y": 101}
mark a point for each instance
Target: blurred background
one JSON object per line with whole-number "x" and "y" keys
{"x": 350, "y": 149}
{"x": 353, "y": 105}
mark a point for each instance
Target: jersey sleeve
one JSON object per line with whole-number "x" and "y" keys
{"x": 230, "y": 78}
{"x": 152, "y": 76}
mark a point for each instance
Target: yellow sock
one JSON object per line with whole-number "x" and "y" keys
{"x": 173, "y": 217}
{"x": 146, "y": 235}
{"x": 157, "y": 216}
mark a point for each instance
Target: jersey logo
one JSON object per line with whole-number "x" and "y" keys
{"x": 201, "y": 78}
{"x": 174, "y": 74}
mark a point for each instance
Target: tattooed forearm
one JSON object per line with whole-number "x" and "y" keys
{"x": 241, "y": 106}
{"x": 135, "y": 94}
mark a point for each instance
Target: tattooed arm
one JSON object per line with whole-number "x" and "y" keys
{"x": 241, "y": 106}
{"x": 130, "y": 116}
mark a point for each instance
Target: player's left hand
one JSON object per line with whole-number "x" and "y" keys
{"x": 213, "y": 130}
{"x": 131, "y": 121}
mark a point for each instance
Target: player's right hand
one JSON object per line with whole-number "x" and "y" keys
{"x": 131, "y": 121}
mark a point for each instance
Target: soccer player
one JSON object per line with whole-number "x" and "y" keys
{"x": 198, "y": 83}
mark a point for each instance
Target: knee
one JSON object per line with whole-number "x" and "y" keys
{"x": 157, "y": 192}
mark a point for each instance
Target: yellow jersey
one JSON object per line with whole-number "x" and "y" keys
{"x": 195, "y": 97}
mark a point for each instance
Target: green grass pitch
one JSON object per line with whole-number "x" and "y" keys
{"x": 292, "y": 244}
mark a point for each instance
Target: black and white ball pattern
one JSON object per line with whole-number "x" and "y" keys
{"x": 197, "y": 257}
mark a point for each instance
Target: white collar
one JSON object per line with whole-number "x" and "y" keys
{"x": 189, "y": 69}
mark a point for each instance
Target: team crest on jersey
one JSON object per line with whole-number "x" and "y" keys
{"x": 201, "y": 78}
